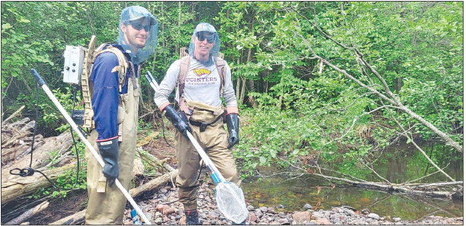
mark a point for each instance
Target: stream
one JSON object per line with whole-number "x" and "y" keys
{"x": 398, "y": 164}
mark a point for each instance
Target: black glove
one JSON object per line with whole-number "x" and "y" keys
{"x": 109, "y": 152}
{"x": 181, "y": 123}
{"x": 233, "y": 129}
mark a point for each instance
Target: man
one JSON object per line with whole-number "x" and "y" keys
{"x": 198, "y": 96}
{"x": 115, "y": 82}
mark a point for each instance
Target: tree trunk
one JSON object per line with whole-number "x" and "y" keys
{"x": 26, "y": 215}
{"x": 17, "y": 186}
{"x": 13, "y": 115}
{"x": 75, "y": 219}
{"x": 243, "y": 89}
{"x": 153, "y": 184}
{"x": 42, "y": 154}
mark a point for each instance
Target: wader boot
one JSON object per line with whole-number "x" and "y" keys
{"x": 192, "y": 218}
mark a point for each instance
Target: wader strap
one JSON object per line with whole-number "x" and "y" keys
{"x": 101, "y": 184}
{"x": 220, "y": 63}
{"x": 202, "y": 126}
{"x": 122, "y": 64}
{"x": 184, "y": 67}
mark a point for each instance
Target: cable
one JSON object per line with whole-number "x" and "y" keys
{"x": 72, "y": 136}
{"x": 36, "y": 108}
{"x": 29, "y": 171}
{"x": 163, "y": 129}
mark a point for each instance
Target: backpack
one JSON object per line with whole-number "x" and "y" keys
{"x": 184, "y": 67}
{"x": 90, "y": 54}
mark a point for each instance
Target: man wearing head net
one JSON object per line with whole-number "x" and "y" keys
{"x": 207, "y": 79}
{"x": 115, "y": 82}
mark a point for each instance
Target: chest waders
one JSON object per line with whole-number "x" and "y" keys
{"x": 92, "y": 149}
{"x": 229, "y": 196}
{"x": 106, "y": 204}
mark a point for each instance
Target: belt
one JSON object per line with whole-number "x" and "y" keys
{"x": 202, "y": 125}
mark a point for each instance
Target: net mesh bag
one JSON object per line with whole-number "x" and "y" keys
{"x": 230, "y": 201}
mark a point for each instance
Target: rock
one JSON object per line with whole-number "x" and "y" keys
{"x": 318, "y": 214}
{"x": 183, "y": 220}
{"x": 307, "y": 206}
{"x": 158, "y": 220}
{"x": 258, "y": 213}
{"x": 252, "y": 217}
{"x": 202, "y": 215}
{"x": 263, "y": 209}
{"x": 212, "y": 215}
{"x": 282, "y": 221}
{"x": 281, "y": 214}
{"x": 302, "y": 217}
{"x": 348, "y": 212}
{"x": 373, "y": 216}
{"x": 323, "y": 221}
{"x": 365, "y": 211}
{"x": 160, "y": 207}
{"x": 173, "y": 214}
{"x": 168, "y": 210}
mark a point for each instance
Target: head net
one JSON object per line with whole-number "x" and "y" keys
{"x": 209, "y": 28}
{"x": 230, "y": 201}
{"x": 136, "y": 15}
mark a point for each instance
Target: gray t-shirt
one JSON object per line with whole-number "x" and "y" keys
{"x": 202, "y": 84}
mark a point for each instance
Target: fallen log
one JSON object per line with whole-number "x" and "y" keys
{"x": 19, "y": 123}
{"x": 155, "y": 161}
{"x": 24, "y": 128}
{"x": 75, "y": 219}
{"x": 78, "y": 218}
{"x": 154, "y": 183}
{"x": 29, "y": 213}
{"x": 397, "y": 187}
{"x": 17, "y": 186}
{"x": 13, "y": 115}
{"x": 41, "y": 155}
{"x": 10, "y": 154}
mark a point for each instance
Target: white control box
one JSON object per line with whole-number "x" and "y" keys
{"x": 73, "y": 67}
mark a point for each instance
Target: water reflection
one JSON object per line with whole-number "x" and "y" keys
{"x": 292, "y": 195}
{"x": 400, "y": 163}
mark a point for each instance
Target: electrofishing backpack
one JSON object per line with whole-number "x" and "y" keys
{"x": 90, "y": 54}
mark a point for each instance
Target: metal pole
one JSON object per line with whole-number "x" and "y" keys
{"x": 75, "y": 127}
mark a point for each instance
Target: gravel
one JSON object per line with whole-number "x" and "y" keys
{"x": 164, "y": 208}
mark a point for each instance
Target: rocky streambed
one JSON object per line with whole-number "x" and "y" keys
{"x": 164, "y": 208}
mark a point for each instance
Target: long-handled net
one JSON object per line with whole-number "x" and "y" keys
{"x": 230, "y": 201}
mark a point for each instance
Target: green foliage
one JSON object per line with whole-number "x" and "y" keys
{"x": 64, "y": 184}
{"x": 305, "y": 110}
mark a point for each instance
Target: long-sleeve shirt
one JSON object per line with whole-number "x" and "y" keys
{"x": 202, "y": 84}
{"x": 105, "y": 97}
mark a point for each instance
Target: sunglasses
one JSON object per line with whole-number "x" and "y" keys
{"x": 203, "y": 35}
{"x": 138, "y": 25}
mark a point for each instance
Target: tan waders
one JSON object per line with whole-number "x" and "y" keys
{"x": 106, "y": 203}
{"x": 214, "y": 140}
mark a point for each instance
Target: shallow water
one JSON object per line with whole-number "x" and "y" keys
{"x": 400, "y": 163}
{"x": 292, "y": 195}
